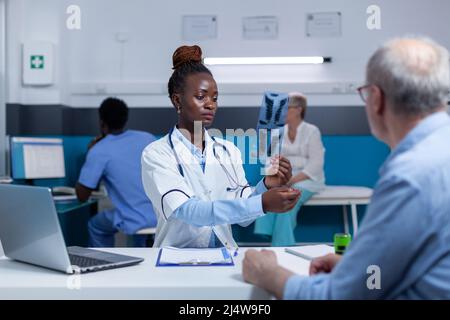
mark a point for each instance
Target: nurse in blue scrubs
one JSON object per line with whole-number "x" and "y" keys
{"x": 115, "y": 158}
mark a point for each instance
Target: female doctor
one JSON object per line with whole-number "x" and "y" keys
{"x": 196, "y": 182}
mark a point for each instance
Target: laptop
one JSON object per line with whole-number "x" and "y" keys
{"x": 30, "y": 233}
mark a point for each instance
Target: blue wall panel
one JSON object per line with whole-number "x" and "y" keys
{"x": 349, "y": 160}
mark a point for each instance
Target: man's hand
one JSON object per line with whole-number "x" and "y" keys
{"x": 282, "y": 172}
{"x": 95, "y": 140}
{"x": 262, "y": 269}
{"x": 83, "y": 193}
{"x": 280, "y": 199}
{"x": 324, "y": 264}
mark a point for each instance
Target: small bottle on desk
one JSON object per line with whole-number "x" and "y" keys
{"x": 341, "y": 242}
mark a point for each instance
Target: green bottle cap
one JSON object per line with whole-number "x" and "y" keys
{"x": 341, "y": 242}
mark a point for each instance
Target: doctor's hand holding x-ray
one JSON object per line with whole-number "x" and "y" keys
{"x": 195, "y": 181}
{"x": 279, "y": 180}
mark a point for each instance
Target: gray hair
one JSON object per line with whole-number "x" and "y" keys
{"x": 414, "y": 74}
{"x": 297, "y": 99}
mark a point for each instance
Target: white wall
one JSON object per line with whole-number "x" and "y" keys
{"x": 2, "y": 89}
{"x": 89, "y": 60}
{"x": 28, "y": 21}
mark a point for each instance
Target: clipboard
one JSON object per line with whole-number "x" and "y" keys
{"x": 228, "y": 260}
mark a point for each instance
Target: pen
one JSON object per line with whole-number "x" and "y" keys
{"x": 298, "y": 254}
{"x": 229, "y": 248}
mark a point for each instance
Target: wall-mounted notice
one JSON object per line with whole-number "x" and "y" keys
{"x": 260, "y": 28}
{"x": 324, "y": 24}
{"x": 199, "y": 27}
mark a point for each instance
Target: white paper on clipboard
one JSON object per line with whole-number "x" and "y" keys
{"x": 181, "y": 256}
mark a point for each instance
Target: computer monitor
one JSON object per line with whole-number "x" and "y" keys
{"x": 37, "y": 158}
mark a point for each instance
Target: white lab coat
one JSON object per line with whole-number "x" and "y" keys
{"x": 160, "y": 175}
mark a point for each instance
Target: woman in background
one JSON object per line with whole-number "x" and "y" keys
{"x": 302, "y": 146}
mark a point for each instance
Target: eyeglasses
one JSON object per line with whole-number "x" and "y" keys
{"x": 363, "y": 92}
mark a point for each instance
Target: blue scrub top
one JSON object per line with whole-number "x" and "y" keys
{"x": 117, "y": 160}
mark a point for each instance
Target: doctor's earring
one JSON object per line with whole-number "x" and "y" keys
{"x": 179, "y": 110}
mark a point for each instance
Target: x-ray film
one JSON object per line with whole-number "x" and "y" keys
{"x": 273, "y": 111}
{"x": 270, "y": 127}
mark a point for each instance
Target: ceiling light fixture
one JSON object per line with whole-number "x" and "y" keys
{"x": 266, "y": 60}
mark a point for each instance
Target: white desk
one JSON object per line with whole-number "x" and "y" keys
{"x": 143, "y": 281}
{"x": 343, "y": 196}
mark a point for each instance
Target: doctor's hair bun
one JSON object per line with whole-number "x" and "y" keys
{"x": 186, "y": 54}
{"x": 187, "y": 60}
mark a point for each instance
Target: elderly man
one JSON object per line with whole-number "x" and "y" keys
{"x": 405, "y": 236}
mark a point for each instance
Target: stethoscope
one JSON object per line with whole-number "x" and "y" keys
{"x": 234, "y": 180}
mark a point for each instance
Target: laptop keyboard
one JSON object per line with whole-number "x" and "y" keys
{"x": 84, "y": 262}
